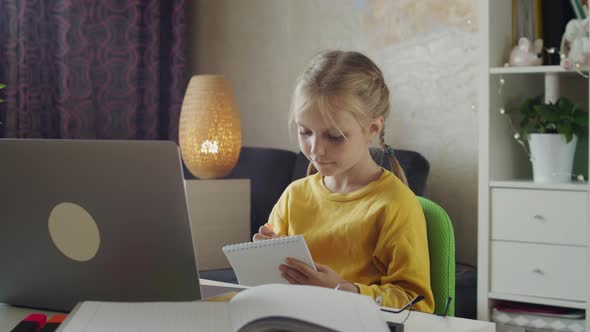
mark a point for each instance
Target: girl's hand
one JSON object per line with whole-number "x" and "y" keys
{"x": 298, "y": 273}
{"x": 264, "y": 233}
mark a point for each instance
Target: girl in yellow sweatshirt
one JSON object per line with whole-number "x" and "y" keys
{"x": 364, "y": 227}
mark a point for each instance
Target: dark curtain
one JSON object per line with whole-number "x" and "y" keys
{"x": 92, "y": 69}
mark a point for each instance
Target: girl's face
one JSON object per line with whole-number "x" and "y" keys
{"x": 333, "y": 148}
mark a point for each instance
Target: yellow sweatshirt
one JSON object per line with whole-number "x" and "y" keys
{"x": 374, "y": 236}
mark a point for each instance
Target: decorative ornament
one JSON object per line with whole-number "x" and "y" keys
{"x": 527, "y": 53}
{"x": 575, "y": 44}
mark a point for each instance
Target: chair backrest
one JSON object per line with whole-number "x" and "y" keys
{"x": 441, "y": 247}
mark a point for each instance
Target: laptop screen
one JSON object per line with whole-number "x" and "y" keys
{"x": 93, "y": 220}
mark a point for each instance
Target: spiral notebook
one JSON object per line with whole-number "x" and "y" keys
{"x": 257, "y": 263}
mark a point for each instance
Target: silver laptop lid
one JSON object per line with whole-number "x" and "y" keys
{"x": 93, "y": 220}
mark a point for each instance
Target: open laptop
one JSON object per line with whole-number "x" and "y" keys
{"x": 93, "y": 220}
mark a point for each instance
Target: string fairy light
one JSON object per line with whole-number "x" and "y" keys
{"x": 515, "y": 132}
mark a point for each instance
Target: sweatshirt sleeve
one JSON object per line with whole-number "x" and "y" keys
{"x": 278, "y": 216}
{"x": 401, "y": 254}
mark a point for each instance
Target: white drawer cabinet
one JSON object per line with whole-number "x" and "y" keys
{"x": 542, "y": 216}
{"x": 538, "y": 248}
{"x": 538, "y": 270}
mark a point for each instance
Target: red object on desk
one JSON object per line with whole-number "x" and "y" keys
{"x": 32, "y": 323}
{"x": 53, "y": 323}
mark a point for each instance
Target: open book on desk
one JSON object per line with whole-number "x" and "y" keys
{"x": 263, "y": 308}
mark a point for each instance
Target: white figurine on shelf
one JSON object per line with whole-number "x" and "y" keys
{"x": 527, "y": 54}
{"x": 575, "y": 44}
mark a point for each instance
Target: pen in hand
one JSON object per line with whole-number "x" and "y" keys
{"x": 269, "y": 226}
{"x": 265, "y": 232}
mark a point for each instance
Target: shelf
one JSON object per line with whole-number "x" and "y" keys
{"x": 538, "y": 300}
{"x": 529, "y": 184}
{"x": 535, "y": 70}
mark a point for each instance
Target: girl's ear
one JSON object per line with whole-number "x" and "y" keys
{"x": 375, "y": 127}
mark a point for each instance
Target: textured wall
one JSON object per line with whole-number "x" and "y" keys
{"x": 427, "y": 50}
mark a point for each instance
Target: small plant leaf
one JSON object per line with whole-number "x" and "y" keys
{"x": 564, "y": 104}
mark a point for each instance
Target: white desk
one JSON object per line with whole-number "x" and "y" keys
{"x": 421, "y": 322}
{"x": 418, "y": 322}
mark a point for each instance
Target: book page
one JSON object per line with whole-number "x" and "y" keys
{"x": 149, "y": 316}
{"x": 337, "y": 310}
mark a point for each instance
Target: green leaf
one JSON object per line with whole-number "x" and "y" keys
{"x": 565, "y": 128}
{"x": 545, "y": 114}
{"x": 576, "y": 108}
{"x": 565, "y": 117}
{"x": 564, "y": 104}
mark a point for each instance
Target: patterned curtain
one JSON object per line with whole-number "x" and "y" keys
{"x": 92, "y": 69}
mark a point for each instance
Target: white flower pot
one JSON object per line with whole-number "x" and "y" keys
{"x": 552, "y": 157}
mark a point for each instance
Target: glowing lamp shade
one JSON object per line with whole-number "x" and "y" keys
{"x": 209, "y": 132}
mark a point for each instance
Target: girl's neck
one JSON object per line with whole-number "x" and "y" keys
{"x": 355, "y": 178}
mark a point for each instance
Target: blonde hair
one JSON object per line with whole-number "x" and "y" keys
{"x": 339, "y": 80}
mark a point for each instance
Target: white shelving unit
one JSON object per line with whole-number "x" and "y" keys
{"x": 535, "y": 70}
{"x": 533, "y": 241}
{"x": 529, "y": 184}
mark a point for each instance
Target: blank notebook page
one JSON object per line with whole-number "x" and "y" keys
{"x": 257, "y": 263}
{"x": 150, "y": 316}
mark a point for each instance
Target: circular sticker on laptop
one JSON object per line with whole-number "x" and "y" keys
{"x": 74, "y": 232}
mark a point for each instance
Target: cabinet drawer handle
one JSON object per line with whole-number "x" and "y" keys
{"x": 538, "y": 271}
{"x": 539, "y": 217}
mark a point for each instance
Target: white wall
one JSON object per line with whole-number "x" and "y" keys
{"x": 427, "y": 50}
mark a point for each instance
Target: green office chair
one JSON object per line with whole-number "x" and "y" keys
{"x": 441, "y": 247}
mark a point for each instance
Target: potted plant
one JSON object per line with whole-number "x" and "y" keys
{"x": 552, "y": 130}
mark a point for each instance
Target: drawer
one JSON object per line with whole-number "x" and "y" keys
{"x": 546, "y": 216}
{"x": 539, "y": 270}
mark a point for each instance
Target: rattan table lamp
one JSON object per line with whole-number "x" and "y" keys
{"x": 209, "y": 132}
